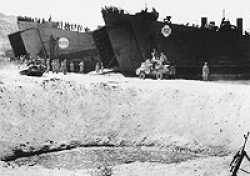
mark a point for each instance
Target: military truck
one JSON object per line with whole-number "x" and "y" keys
{"x": 156, "y": 70}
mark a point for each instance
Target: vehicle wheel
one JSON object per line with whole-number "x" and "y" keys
{"x": 159, "y": 75}
{"x": 142, "y": 75}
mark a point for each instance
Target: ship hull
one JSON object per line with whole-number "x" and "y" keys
{"x": 227, "y": 52}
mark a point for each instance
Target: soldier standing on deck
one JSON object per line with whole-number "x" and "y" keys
{"x": 205, "y": 72}
{"x": 81, "y": 67}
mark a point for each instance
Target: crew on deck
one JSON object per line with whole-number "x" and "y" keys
{"x": 61, "y": 25}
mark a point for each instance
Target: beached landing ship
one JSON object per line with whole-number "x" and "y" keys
{"x": 224, "y": 47}
{"x": 47, "y": 40}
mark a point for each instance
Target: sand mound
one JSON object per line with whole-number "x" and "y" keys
{"x": 113, "y": 110}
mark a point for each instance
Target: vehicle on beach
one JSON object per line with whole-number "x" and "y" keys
{"x": 34, "y": 69}
{"x": 156, "y": 71}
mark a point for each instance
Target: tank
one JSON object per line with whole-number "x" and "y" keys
{"x": 34, "y": 68}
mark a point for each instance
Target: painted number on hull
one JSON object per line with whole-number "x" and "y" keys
{"x": 63, "y": 43}
{"x": 166, "y": 30}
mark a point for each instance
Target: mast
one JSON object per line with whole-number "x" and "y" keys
{"x": 146, "y": 5}
{"x": 223, "y": 13}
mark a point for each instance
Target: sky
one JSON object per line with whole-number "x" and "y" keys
{"x": 87, "y": 12}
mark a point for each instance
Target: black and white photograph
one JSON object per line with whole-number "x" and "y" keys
{"x": 124, "y": 88}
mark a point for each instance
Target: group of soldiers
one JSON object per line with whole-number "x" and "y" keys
{"x": 71, "y": 27}
{"x": 157, "y": 64}
{"x": 99, "y": 68}
{"x": 35, "y": 20}
{"x": 159, "y": 60}
{"x": 61, "y": 25}
{"x": 27, "y": 60}
{"x": 56, "y": 66}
